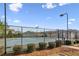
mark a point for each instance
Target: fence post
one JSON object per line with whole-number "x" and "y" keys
{"x": 44, "y": 35}
{"x": 62, "y": 35}
{"x": 76, "y": 35}
{"x": 5, "y": 26}
{"x": 70, "y": 35}
{"x": 21, "y": 37}
{"x": 58, "y": 34}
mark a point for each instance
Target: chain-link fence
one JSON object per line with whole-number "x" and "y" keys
{"x": 17, "y": 35}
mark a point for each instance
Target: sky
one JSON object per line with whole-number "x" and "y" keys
{"x": 43, "y": 15}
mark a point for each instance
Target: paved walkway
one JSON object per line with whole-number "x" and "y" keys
{"x": 73, "y": 47}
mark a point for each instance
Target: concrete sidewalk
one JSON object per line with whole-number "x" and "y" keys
{"x": 73, "y": 47}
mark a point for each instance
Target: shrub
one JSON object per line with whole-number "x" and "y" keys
{"x": 77, "y": 41}
{"x": 51, "y": 44}
{"x": 74, "y": 42}
{"x": 30, "y": 47}
{"x": 17, "y": 49}
{"x": 58, "y": 43}
{"x": 68, "y": 42}
{"x": 42, "y": 45}
{"x": 24, "y": 50}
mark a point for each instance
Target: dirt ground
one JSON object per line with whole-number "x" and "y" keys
{"x": 60, "y": 51}
{"x": 1, "y": 50}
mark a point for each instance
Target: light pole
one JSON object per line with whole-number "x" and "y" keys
{"x": 5, "y": 26}
{"x": 67, "y": 21}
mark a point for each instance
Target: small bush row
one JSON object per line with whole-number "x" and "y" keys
{"x": 51, "y": 44}
{"x": 17, "y": 49}
{"x": 77, "y": 41}
{"x": 30, "y": 47}
{"x": 42, "y": 45}
{"x": 58, "y": 43}
{"x": 69, "y": 42}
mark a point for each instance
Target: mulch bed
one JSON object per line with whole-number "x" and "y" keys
{"x": 60, "y": 51}
{"x": 46, "y": 52}
{"x": 70, "y": 51}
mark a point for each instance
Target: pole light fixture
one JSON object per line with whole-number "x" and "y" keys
{"x": 67, "y": 21}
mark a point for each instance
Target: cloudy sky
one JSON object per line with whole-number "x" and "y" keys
{"x": 42, "y": 15}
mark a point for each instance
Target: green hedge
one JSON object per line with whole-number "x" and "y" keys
{"x": 51, "y": 44}
{"x": 17, "y": 49}
{"x": 77, "y": 41}
{"x": 74, "y": 42}
{"x": 30, "y": 47}
{"x": 42, "y": 45}
{"x": 58, "y": 43}
{"x": 68, "y": 42}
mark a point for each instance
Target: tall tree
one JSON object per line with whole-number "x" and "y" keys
{"x": 2, "y": 27}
